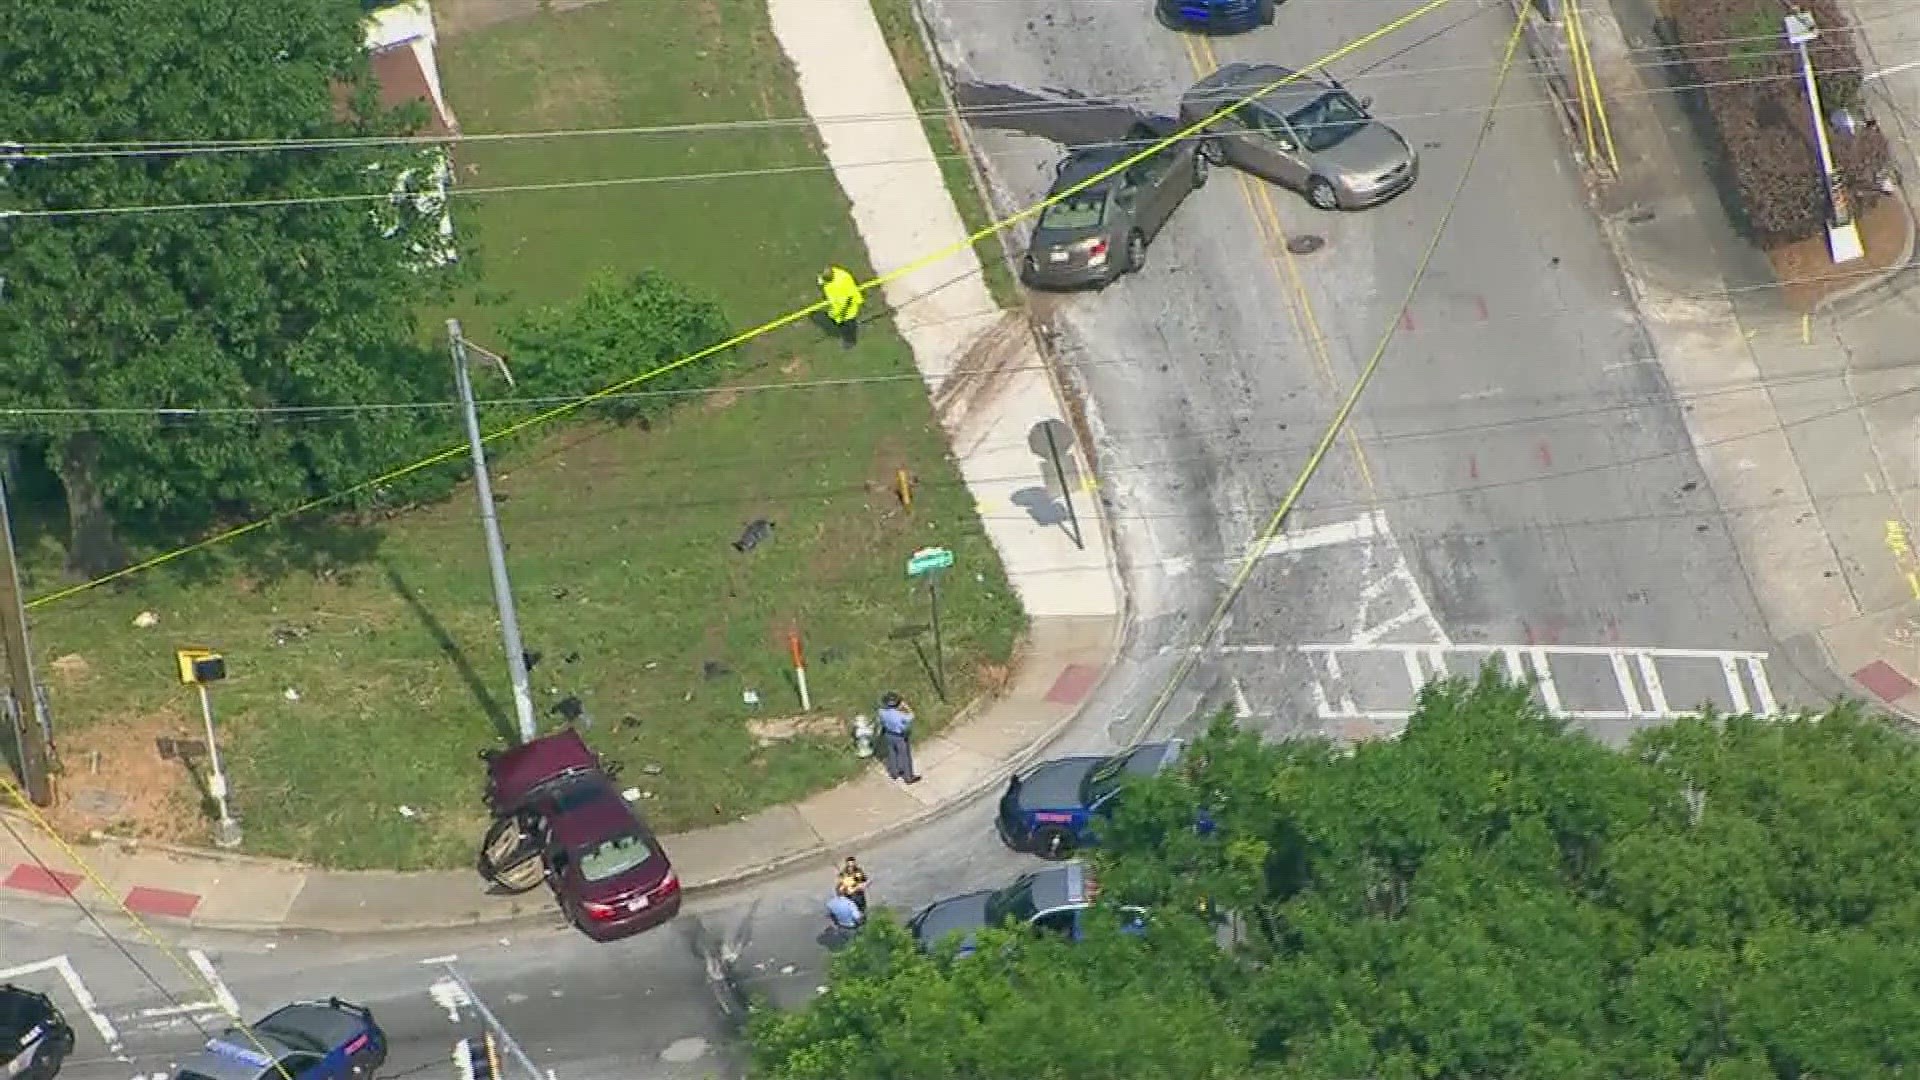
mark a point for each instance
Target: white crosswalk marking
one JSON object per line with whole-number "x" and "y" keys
{"x": 1608, "y": 682}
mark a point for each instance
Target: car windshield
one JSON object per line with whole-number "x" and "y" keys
{"x": 1013, "y": 902}
{"x": 1081, "y": 210}
{"x": 1103, "y": 779}
{"x": 611, "y": 858}
{"x": 1329, "y": 121}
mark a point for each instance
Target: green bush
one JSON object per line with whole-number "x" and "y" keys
{"x": 1737, "y": 53}
{"x": 615, "y": 330}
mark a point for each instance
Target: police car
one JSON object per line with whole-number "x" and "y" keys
{"x": 1052, "y": 809}
{"x": 1056, "y": 900}
{"x": 307, "y": 1040}
{"x": 34, "y": 1037}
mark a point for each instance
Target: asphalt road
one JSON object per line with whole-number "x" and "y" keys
{"x": 1536, "y": 484}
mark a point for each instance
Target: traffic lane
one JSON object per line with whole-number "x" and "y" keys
{"x": 1536, "y": 469}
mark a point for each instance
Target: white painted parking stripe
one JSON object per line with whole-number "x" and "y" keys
{"x": 1628, "y": 692}
{"x": 1656, "y": 693}
{"x": 1762, "y": 688}
{"x": 1549, "y": 692}
{"x": 80, "y": 994}
{"x": 1340, "y": 532}
{"x": 221, "y": 995}
{"x": 1735, "y": 686}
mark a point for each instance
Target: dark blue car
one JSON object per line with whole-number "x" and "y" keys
{"x": 1056, "y": 900}
{"x": 1050, "y": 811}
{"x": 1220, "y": 16}
{"x": 308, "y": 1040}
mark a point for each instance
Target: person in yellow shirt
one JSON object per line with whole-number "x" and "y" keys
{"x": 844, "y": 299}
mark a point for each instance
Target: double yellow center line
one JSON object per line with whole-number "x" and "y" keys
{"x": 1286, "y": 268}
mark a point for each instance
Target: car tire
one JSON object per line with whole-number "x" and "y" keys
{"x": 1053, "y": 843}
{"x": 1321, "y": 194}
{"x": 1165, "y": 18}
{"x": 1201, "y": 167}
{"x": 1266, "y": 10}
{"x": 508, "y": 861}
{"x": 1136, "y": 250}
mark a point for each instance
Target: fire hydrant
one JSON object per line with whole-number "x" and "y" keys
{"x": 862, "y": 736}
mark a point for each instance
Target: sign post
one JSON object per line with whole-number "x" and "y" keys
{"x": 199, "y": 667}
{"x": 928, "y": 563}
{"x": 1045, "y": 440}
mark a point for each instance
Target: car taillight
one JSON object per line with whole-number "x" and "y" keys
{"x": 667, "y": 887}
{"x": 1092, "y": 247}
{"x": 596, "y": 910}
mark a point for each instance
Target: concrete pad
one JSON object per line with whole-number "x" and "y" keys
{"x": 387, "y": 900}
{"x": 720, "y": 852}
{"x": 993, "y": 428}
{"x": 1003, "y": 733}
{"x": 958, "y": 771}
{"x": 263, "y": 896}
{"x": 1856, "y": 528}
{"x": 1835, "y": 455}
{"x": 857, "y": 808}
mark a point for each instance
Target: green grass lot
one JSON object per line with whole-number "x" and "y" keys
{"x": 619, "y": 538}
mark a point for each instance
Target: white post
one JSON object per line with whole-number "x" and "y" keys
{"x": 229, "y": 834}
{"x": 1843, "y": 237}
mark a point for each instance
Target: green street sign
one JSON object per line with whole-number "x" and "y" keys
{"x": 927, "y": 560}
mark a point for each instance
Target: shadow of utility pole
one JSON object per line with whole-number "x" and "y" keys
{"x": 451, "y": 649}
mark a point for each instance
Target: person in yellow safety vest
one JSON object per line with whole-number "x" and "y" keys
{"x": 843, "y": 302}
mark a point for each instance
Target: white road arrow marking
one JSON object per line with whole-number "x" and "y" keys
{"x": 448, "y": 995}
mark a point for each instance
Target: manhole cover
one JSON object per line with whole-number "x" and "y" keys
{"x": 1305, "y": 243}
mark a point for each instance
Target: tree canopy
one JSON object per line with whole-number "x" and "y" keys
{"x": 109, "y": 316}
{"x": 1489, "y": 895}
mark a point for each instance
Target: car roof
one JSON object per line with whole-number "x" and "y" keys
{"x": 1083, "y": 162}
{"x": 1061, "y": 886}
{"x": 517, "y": 771}
{"x": 317, "y": 1020}
{"x": 235, "y": 1054}
{"x": 595, "y": 817}
{"x": 1237, "y": 81}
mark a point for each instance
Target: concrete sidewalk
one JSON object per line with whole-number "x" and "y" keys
{"x": 993, "y": 391}
{"x": 1807, "y": 426}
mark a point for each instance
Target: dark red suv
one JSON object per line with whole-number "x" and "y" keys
{"x": 559, "y": 818}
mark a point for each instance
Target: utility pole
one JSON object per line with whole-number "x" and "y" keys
{"x": 32, "y": 733}
{"x": 496, "y": 551}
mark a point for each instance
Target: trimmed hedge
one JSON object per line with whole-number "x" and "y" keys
{"x": 1754, "y": 92}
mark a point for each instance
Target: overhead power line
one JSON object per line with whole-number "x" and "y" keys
{"x": 467, "y": 191}
{"x": 55, "y": 150}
